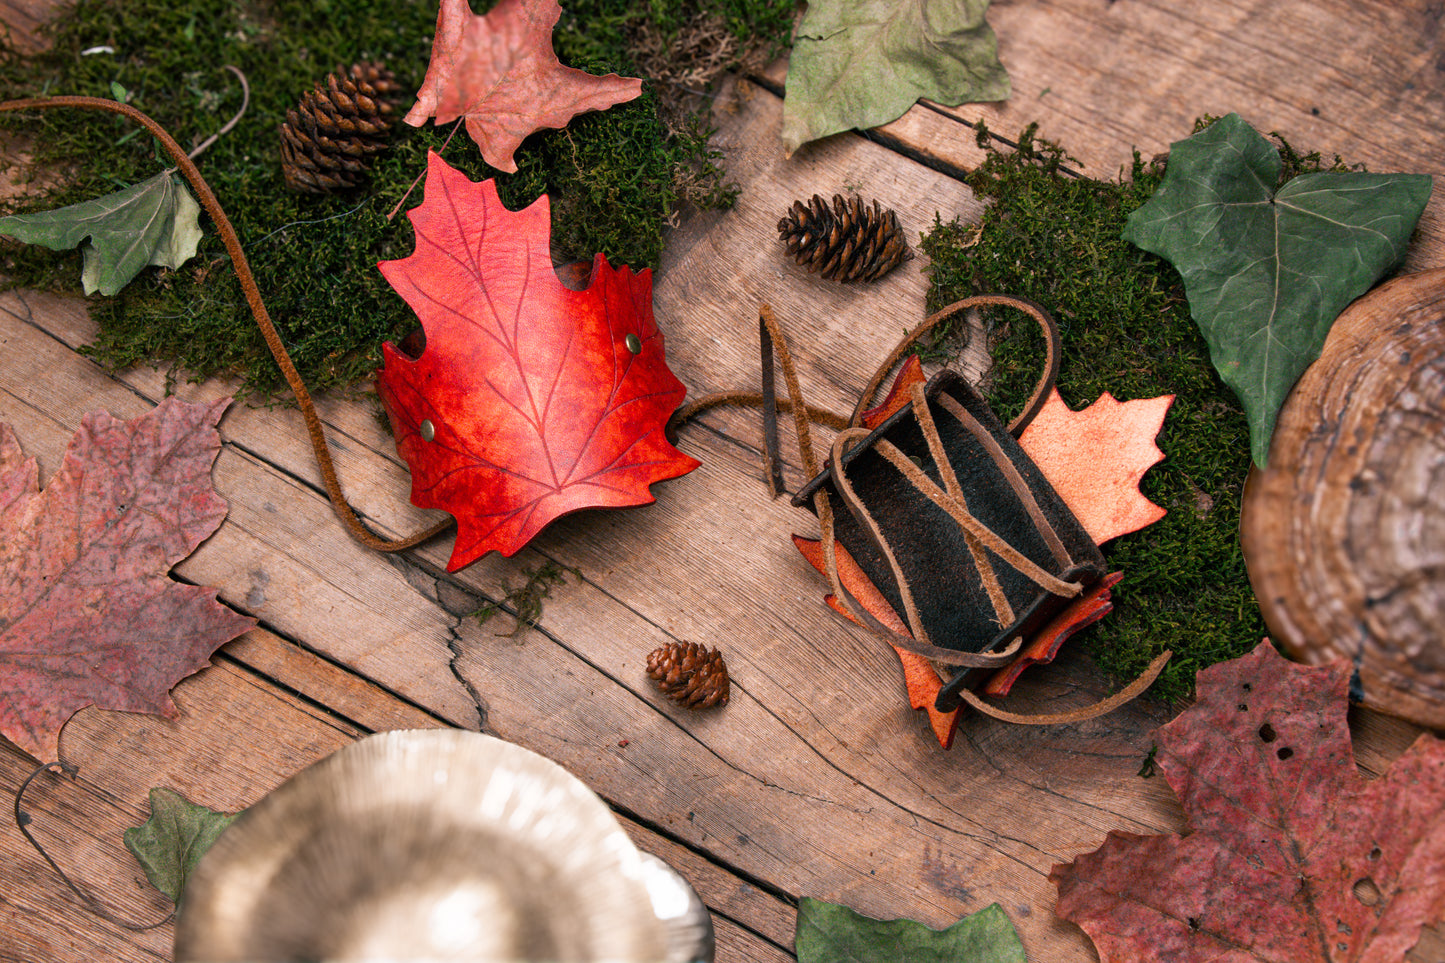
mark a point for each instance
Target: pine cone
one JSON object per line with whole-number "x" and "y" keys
{"x": 849, "y": 242}
{"x": 328, "y": 138}
{"x": 689, "y": 674}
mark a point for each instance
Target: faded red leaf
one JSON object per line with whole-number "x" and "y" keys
{"x": 538, "y": 404}
{"x": 1292, "y": 854}
{"x": 500, "y": 73}
{"x": 87, "y": 614}
{"x": 1095, "y": 458}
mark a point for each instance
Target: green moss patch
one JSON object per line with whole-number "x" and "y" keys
{"x": 1054, "y": 237}
{"x": 615, "y": 177}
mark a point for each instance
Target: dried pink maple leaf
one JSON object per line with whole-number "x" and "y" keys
{"x": 499, "y": 72}
{"x": 87, "y": 614}
{"x": 1293, "y": 855}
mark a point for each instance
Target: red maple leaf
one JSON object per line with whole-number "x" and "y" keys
{"x": 530, "y": 400}
{"x": 87, "y": 614}
{"x": 499, "y": 72}
{"x": 1292, "y": 856}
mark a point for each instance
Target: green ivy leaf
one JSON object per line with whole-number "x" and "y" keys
{"x": 154, "y": 222}
{"x": 1268, "y": 270}
{"x": 861, "y": 63}
{"x": 172, "y": 841}
{"x": 829, "y": 933}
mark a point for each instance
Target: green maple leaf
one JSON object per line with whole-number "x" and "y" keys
{"x": 1267, "y": 270}
{"x": 154, "y": 222}
{"x": 861, "y": 63}
{"x": 829, "y": 933}
{"x": 172, "y": 841}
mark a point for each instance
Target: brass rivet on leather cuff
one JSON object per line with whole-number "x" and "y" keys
{"x": 428, "y": 430}
{"x": 634, "y": 344}
{"x": 917, "y": 462}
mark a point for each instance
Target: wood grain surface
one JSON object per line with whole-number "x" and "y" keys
{"x": 816, "y": 779}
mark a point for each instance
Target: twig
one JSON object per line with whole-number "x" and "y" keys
{"x": 392, "y": 213}
{"x": 315, "y": 220}
{"x": 245, "y": 102}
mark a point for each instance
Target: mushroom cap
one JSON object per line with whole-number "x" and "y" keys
{"x": 439, "y": 845}
{"x": 1344, "y": 531}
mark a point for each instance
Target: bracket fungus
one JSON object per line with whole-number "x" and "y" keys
{"x": 1344, "y": 532}
{"x": 437, "y": 845}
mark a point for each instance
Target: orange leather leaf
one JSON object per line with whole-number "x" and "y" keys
{"x": 1083, "y": 611}
{"x": 1096, "y": 457}
{"x": 499, "y": 72}
{"x": 919, "y": 675}
{"x": 530, "y": 400}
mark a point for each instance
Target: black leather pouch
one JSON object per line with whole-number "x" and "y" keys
{"x": 941, "y": 575}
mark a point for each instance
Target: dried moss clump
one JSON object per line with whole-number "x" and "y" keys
{"x": 615, "y": 177}
{"x": 1054, "y": 237}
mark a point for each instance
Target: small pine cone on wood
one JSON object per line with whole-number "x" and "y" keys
{"x": 689, "y": 674}
{"x": 330, "y": 136}
{"x": 848, "y": 241}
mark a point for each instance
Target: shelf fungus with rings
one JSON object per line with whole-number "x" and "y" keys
{"x": 437, "y": 845}
{"x": 1344, "y": 531}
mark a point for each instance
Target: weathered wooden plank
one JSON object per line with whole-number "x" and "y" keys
{"x": 339, "y": 689}
{"x": 23, "y": 18}
{"x": 758, "y": 802}
{"x": 745, "y": 946}
{"x": 817, "y": 775}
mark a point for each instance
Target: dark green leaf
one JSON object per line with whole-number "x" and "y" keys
{"x": 153, "y": 222}
{"x": 829, "y": 933}
{"x": 861, "y": 63}
{"x": 1268, "y": 270}
{"x": 170, "y": 844}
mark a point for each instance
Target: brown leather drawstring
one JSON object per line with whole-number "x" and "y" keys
{"x": 1046, "y": 379}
